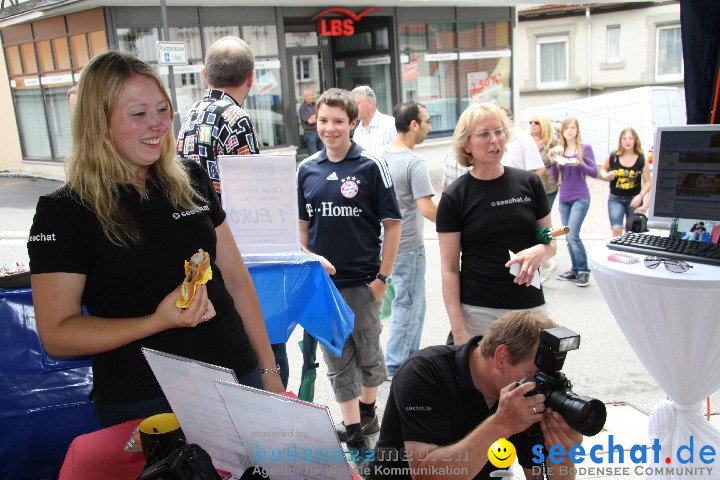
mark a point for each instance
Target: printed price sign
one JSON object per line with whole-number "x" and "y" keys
{"x": 260, "y": 199}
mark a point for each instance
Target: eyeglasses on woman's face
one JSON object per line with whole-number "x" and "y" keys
{"x": 675, "y": 266}
{"x": 534, "y": 122}
{"x": 486, "y": 134}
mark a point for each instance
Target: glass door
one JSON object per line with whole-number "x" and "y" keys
{"x": 307, "y": 76}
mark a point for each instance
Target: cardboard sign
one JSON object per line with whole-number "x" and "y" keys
{"x": 260, "y": 199}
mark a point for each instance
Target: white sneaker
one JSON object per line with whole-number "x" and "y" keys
{"x": 546, "y": 270}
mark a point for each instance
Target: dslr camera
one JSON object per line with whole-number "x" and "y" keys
{"x": 584, "y": 414}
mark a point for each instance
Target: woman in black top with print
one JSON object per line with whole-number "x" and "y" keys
{"x": 629, "y": 177}
{"x": 114, "y": 239}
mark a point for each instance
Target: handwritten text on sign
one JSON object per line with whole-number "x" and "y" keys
{"x": 260, "y": 199}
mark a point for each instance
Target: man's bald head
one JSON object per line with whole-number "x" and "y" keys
{"x": 229, "y": 62}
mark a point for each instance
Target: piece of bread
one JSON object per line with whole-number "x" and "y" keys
{"x": 197, "y": 271}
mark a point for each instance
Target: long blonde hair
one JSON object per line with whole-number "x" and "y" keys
{"x": 472, "y": 114}
{"x": 95, "y": 171}
{"x": 578, "y": 139}
{"x": 637, "y": 149}
{"x": 546, "y": 132}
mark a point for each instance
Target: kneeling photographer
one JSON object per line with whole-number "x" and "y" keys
{"x": 448, "y": 405}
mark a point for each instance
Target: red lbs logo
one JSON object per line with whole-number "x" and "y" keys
{"x": 336, "y": 27}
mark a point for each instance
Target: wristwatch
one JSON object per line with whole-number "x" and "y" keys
{"x": 385, "y": 279}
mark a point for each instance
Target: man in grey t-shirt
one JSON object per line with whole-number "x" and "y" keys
{"x": 413, "y": 190}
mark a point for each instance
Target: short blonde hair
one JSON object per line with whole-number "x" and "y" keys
{"x": 519, "y": 330}
{"x": 472, "y": 114}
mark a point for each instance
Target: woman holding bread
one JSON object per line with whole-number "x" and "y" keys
{"x": 115, "y": 237}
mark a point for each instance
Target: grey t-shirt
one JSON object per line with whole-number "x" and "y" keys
{"x": 411, "y": 179}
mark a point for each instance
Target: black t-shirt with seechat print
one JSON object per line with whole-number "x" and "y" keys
{"x": 123, "y": 282}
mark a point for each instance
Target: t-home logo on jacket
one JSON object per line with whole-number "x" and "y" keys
{"x": 327, "y": 209}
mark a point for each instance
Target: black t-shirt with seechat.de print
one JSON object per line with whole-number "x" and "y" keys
{"x": 126, "y": 282}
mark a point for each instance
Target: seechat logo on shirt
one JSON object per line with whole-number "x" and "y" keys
{"x": 177, "y": 215}
{"x": 511, "y": 201}
{"x": 42, "y": 237}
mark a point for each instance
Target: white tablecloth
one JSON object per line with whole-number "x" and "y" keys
{"x": 671, "y": 321}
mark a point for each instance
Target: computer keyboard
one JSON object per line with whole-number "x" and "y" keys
{"x": 667, "y": 247}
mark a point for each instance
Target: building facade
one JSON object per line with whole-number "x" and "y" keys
{"x": 574, "y": 51}
{"x": 444, "y": 57}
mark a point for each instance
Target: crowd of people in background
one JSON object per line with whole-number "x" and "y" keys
{"x": 499, "y": 186}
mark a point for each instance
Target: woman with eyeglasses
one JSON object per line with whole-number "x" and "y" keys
{"x": 114, "y": 239}
{"x": 572, "y": 161}
{"x": 491, "y": 210}
{"x": 629, "y": 177}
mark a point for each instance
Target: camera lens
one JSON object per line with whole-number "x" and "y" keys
{"x": 586, "y": 415}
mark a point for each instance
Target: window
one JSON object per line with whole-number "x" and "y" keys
{"x": 302, "y": 68}
{"x": 445, "y": 66}
{"x": 613, "y": 44}
{"x": 668, "y": 54}
{"x": 41, "y": 60}
{"x": 553, "y": 61}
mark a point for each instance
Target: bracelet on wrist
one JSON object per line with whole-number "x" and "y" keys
{"x": 265, "y": 371}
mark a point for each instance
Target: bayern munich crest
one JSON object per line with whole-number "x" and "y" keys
{"x": 349, "y": 189}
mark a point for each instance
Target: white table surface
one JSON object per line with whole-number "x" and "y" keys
{"x": 672, "y": 322}
{"x": 700, "y": 276}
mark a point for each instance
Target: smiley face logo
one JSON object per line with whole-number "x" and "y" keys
{"x": 501, "y": 453}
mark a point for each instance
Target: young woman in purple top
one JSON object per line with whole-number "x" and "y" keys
{"x": 571, "y": 163}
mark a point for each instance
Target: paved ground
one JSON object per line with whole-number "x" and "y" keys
{"x": 605, "y": 367}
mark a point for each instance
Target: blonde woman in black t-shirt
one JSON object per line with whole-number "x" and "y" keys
{"x": 114, "y": 240}
{"x": 629, "y": 177}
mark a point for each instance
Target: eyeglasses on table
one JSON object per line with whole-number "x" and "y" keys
{"x": 671, "y": 265}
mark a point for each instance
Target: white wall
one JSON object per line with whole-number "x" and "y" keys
{"x": 637, "y": 51}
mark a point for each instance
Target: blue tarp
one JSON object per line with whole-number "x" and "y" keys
{"x": 43, "y": 400}
{"x": 294, "y": 289}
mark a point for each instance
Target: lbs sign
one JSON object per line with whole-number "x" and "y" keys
{"x": 336, "y": 27}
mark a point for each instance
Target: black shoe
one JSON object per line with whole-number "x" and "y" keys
{"x": 569, "y": 276}
{"x": 360, "y": 452}
{"x": 368, "y": 425}
{"x": 583, "y": 280}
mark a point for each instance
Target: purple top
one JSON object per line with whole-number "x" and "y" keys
{"x": 573, "y": 186}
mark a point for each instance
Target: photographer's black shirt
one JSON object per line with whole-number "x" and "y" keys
{"x": 433, "y": 400}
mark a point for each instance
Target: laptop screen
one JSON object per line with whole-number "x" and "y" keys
{"x": 686, "y": 180}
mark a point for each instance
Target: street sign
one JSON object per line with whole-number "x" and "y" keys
{"x": 172, "y": 53}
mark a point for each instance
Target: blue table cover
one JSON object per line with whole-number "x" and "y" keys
{"x": 294, "y": 289}
{"x": 44, "y": 401}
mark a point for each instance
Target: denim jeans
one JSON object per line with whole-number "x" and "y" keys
{"x": 619, "y": 210}
{"x": 572, "y": 215}
{"x": 313, "y": 142}
{"x": 551, "y": 198}
{"x": 408, "y": 307}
